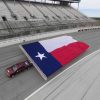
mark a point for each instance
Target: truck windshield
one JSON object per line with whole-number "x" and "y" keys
{"x": 26, "y": 63}
{"x": 14, "y": 67}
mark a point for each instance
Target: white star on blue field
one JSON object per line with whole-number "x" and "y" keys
{"x": 40, "y": 55}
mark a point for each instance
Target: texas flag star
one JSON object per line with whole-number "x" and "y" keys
{"x": 41, "y": 56}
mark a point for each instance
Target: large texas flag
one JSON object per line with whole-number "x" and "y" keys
{"x": 49, "y": 55}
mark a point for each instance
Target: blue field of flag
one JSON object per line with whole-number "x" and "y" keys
{"x": 42, "y": 59}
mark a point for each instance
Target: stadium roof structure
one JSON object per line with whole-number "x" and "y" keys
{"x": 68, "y": 1}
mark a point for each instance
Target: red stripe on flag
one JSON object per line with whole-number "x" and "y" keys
{"x": 67, "y": 53}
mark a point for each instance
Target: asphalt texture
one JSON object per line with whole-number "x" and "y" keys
{"x": 79, "y": 82}
{"x": 26, "y": 82}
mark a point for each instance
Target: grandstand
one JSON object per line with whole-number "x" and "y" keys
{"x": 24, "y": 18}
{"x": 23, "y": 22}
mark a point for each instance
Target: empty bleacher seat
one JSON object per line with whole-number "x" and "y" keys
{"x": 24, "y": 18}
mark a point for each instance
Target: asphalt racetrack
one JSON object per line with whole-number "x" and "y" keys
{"x": 23, "y": 84}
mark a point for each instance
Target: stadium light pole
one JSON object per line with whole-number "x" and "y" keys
{"x": 14, "y": 2}
{"x": 41, "y": 1}
{"x": 29, "y": 2}
{"x": 52, "y": 2}
{"x": 79, "y": 4}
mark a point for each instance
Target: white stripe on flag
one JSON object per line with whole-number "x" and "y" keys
{"x": 54, "y": 43}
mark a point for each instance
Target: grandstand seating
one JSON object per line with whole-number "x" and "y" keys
{"x": 21, "y": 18}
{"x": 4, "y": 11}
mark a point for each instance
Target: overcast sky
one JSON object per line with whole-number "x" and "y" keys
{"x": 89, "y": 7}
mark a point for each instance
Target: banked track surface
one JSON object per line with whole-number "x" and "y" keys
{"x": 27, "y": 82}
{"x": 74, "y": 83}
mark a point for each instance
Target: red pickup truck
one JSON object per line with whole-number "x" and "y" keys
{"x": 13, "y": 70}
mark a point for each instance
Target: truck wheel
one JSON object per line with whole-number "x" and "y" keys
{"x": 12, "y": 76}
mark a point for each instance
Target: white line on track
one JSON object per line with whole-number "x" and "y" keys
{"x": 92, "y": 54}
